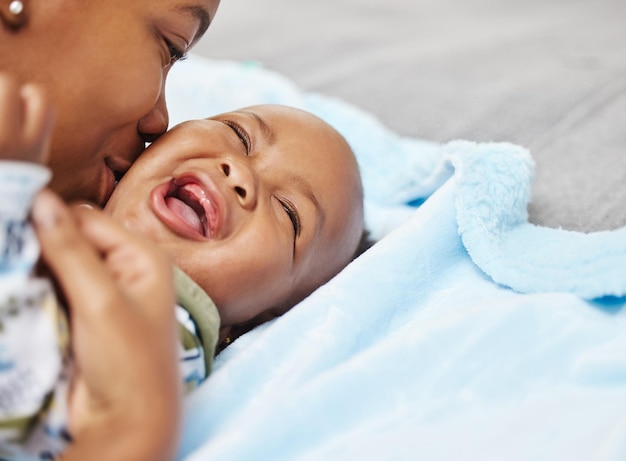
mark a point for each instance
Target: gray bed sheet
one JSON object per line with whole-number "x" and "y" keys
{"x": 547, "y": 74}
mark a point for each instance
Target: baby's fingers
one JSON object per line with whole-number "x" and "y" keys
{"x": 75, "y": 264}
{"x": 127, "y": 366}
{"x": 102, "y": 318}
{"x": 26, "y": 121}
{"x": 10, "y": 117}
{"x": 37, "y": 123}
{"x": 141, "y": 270}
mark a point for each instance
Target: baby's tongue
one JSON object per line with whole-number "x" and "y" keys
{"x": 184, "y": 212}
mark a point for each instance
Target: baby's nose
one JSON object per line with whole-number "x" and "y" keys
{"x": 242, "y": 181}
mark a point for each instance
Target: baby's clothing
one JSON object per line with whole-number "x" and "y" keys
{"x": 33, "y": 349}
{"x": 199, "y": 329}
{"x": 35, "y": 365}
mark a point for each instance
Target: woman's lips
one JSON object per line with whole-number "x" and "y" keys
{"x": 114, "y": 170}
{"x": 109, "y": 185}
{"x": 187, "y": 207}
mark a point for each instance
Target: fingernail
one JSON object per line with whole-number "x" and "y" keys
{"x": 88, "y": 206}
{"x": 46, "y": 211}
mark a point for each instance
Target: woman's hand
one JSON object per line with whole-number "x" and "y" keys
{"x": 126, "y": 402}
{"x": 26, "y": 121}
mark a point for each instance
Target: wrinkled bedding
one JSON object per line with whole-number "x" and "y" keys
{"x": 544, "y": 74}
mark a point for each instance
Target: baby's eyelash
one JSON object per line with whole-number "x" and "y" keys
{"x": 290, "y": 209}
{"x": 241, "y": 134}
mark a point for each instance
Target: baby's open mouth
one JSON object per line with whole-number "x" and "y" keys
{"x": 190, "y": 203}
{"x": 189, "y": 206}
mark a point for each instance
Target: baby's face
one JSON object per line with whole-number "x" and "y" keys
{"x": 259, "y": 206}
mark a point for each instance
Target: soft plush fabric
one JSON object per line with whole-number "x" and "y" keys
{"x": 493, "y": 189}
{"x": 414, "y": 353}
{"x": 466, "y": 332}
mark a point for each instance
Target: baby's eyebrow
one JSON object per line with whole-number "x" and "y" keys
{"x": 266, "y": 130}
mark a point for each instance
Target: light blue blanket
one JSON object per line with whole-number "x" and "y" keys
{"x": 465, "y": 333}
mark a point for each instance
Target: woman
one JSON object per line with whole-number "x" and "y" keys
{"x": 103, "y": 65}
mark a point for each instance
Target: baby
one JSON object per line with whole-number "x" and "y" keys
{"x": 257, "y": 208}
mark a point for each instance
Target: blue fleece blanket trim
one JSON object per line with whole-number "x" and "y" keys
{"x": 493, "y": 189}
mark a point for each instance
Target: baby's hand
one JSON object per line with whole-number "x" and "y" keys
{"x": 127, "y": 399}
{"x": 26, "y": 120}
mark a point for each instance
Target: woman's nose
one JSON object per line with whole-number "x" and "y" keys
{"x": 242, "y": 181}
{"x": 155, "y": 122}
